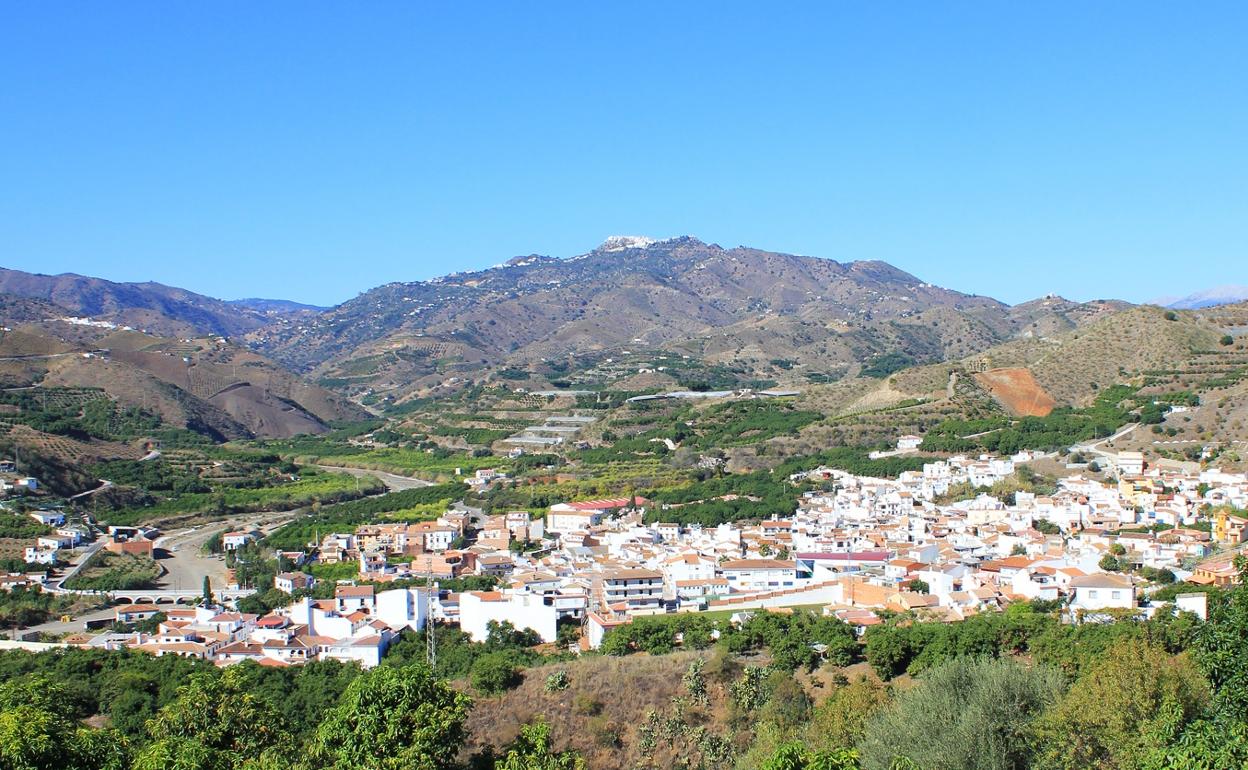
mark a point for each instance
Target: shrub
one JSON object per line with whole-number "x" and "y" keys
{"x": 695, "y": 682}
{"x": 557, "y": 681}
{"x": 586, "y": 705}
{"x": 971, "y": 713}
{"x": 605, "y": 733}
{"x": 495, "y": 673}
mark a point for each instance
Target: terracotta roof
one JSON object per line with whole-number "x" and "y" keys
{"x": 1101, "y": 580}
{"x": 632, "y": 574}
{"x": 757, "y": 564}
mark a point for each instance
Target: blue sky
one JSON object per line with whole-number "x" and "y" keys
{"x": 313, "y": 150}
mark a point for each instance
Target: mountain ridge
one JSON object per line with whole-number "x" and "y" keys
{"x": 740, "y": 306}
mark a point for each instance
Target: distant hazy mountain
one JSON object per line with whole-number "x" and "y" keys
{"x": 276, "y": 305}
{"x": 1219, "y": 295}
{"x": 161, "y": 309}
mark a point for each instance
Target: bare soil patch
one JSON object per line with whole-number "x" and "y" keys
{"x": 1018, "y": 391}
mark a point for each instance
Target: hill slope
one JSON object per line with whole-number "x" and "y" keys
{"x": 755, "y": 309}
{"x": 204, "y": 384}
{"x": 155, "y": 307}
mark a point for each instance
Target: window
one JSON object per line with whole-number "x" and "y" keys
{"x": 1091, "y": 593}
{"x": 1116, "y": 595}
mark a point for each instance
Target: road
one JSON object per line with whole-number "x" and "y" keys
{"x": 395, "y": 482}
{"x": 77, "y": 564}
{"x": 186, "y": 564}
{"x": 76, "y": 624}
{"x": 1111, "y": 457}
{"x": 104, "y": 484}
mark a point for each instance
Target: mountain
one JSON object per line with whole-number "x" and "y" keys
{"x": 278, "y": 306}
{"x": 762, "y": 314}
{"x": 1219, "y": 295}
{"x": 204, "y": 383}
{"x": 154, "y": 307}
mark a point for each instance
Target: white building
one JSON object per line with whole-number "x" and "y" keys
{"x": 50, "y": 518}
{"x": 759, "y": 574}
{"x": 522, "y": 610}
{"x": 1130, "y": 463}
{"x": 293, "y": 581}
{"x": 234, "y": 540}
{"x": 635, "y": 589}
{"x": 403, "y": 608}
{"x": 1102, "y": 591}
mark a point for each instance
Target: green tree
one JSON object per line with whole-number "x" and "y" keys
{"x": 207, "y": 594}
{"x": 841, "y": 719}
{"x": 38, "y": 731}
{"x": 393, "y": 719}
{"x": 215, "y": 722}
{"x": 966, "y": 714}
{"x": 887, "y": 650}
{"x": 795, "y": 756}
{"x": 495, "y": 672}
{"x": 1110, "y": 716}
{"x": 1201, "y": 745}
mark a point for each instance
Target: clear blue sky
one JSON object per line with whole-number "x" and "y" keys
{"x": 312, "y": 150}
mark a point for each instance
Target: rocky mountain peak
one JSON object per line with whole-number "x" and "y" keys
{"x": 622, "y": 242}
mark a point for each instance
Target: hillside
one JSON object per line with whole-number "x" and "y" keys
{"x": 207, "y": 384}
{"x": 772, "y": 316}
{"x": 151, "y": 306}
{"x": 1172, "y": 356}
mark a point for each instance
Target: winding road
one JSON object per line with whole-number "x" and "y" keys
{"x": 186, "y": 565}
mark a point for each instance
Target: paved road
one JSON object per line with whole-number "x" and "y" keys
{"x": 1093, "y": 446}
{"x": 394, "y": 481}
{"x": 104, "y": 484}
{"x": 76, "y": 565}
{"x": 76, "y": 624}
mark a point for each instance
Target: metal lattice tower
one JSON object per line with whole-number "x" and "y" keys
{"x": 431, "y": 646}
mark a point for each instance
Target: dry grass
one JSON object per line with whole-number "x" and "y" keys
{"x": 605, "y": 696}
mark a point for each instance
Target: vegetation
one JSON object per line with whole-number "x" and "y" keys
{"x": 17, "y": 524}
{"x": 972, "y": 713}
{"x": 80, "y": 413}
{"x": 1061, "y": 428}
{"x": 21, "y": 607}
{"x": 1009, "y": 690}
{"x": 738, "y": 423}
{"x": 272, "y": 491}
{"x": 108, "y": 571}
{"x": 430, "y": 463}
{"x": 339, "y": 517}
